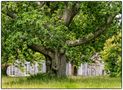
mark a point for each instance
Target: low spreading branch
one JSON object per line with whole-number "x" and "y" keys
{"x": 91, "y": 36}
{"x": 38, "y": 48}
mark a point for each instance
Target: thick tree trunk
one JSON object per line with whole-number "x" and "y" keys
{"x": 62, "y": 65}
{"x": 48, "y": 64}
{"x": 55, "y": 60}
{"x": 56, "y": 65}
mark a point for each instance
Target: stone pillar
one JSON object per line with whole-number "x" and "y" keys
{"x": 89, "y": 70}
{"x": 16, "y": 71}
{"x": 8, "y": 71}
{"x": 27, "y": 67}
{"x": 44, "y": 67}
{"x": 68, "y": 69}
{"x": 80, "y": 70}
{"x": 25, "y": 70}
{"x": 36, "y": 68}
{"x": 101, "y": 69}
{"x": 85, "y": 70}
{"x": 13, "y": 70}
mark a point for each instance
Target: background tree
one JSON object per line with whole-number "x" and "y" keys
{"x": 61, "y": 31}
{"x": 112, "y": 54}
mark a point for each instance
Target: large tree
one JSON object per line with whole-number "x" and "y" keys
{"x": 61, "y": 31}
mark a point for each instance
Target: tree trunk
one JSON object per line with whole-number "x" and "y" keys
{"x": 56, "y": 65}
{"x": 48, "y": 64}
{"x": 62, "y": 65}
{"x": 55, "y": 60}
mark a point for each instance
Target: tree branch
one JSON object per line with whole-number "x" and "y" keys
{"x": 91, "y": 36}
{"x": 9, "y": 13}
{"x": 70, "y": 12}
{"x": 45, "y": 51}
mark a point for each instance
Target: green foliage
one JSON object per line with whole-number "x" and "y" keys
{"x": 43, "y": 25}
{"x": 80, "y": 54}
{"x": 112, "y": 54}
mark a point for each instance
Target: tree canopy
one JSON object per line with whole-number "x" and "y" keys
{"x": 77, "y": 29}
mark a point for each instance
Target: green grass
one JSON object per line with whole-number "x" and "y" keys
{"x": 44, "y": 81}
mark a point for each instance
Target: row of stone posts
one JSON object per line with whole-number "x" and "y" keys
{"x": 84, "y": 69}
{"x": 28, "y": 69}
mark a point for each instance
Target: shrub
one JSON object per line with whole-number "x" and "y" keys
{"x": 111, "y": 54}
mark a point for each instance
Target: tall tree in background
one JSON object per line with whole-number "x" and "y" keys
{"x": 61, "y": 31}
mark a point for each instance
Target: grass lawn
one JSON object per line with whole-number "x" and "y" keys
{"x": 66, "y": 82}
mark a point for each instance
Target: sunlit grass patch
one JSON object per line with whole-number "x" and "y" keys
{"x": 44, "y": 81}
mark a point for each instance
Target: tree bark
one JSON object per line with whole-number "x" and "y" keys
{"x": 48, "y": 64}
{"x": 62, "y": 65}
{"x": 57, "y": 64}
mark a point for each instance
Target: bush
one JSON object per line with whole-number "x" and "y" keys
{"x": 111, "y": 54}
